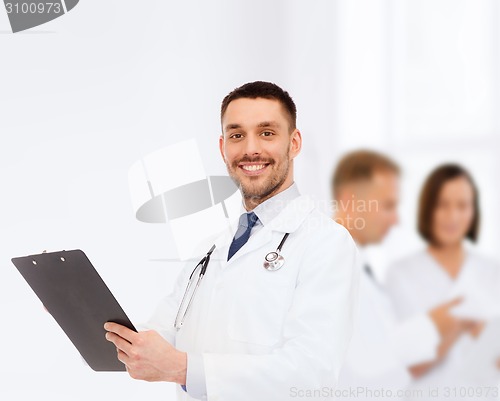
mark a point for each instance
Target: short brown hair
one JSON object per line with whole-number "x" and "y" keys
{"x": 430, "y": 195}
{"x": 266, "y": 90}
{"x": 360, "y": 165}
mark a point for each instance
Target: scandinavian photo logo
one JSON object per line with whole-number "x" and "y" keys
{"x": 26, "y": 14}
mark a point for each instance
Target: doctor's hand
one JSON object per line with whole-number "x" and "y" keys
{"x": 474, "y": 328}
{"x": 448, "y": 326}
{"x": 147, "y": 355}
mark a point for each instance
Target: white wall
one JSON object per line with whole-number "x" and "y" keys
{"x": 419, "y": 80}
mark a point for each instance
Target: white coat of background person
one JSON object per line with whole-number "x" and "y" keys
{"x": 448, "y": 215}
{"x": 365, "y": 187}
{"x": 254, "y": 334}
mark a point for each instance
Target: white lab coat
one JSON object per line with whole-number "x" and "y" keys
{"x": 382, "y": 349}
{"x": 271, "y": 335}
{"x": 418, "y": 284}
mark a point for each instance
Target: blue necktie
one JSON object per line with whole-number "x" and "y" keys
{"x": 247, "y": 221}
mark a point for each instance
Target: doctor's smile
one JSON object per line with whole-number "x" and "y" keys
{"x": 253, "y": 169}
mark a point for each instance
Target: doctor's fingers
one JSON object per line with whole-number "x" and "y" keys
{"x": 129, "y": 365}
{"x": 444, "y": 321}
{"x": 120, "y": 343}
{"x": 474, "y": 327}
{"x": 123, "y": 358}
{"x": 443, "y": 311}
{"x": 132, "y": 364}
{"x": 136, "y": 369}
{"x": 122, "y": 331}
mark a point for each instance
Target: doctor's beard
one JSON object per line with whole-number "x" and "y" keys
{"x": 258, "y": 189}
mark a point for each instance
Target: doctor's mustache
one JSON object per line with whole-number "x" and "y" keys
{"x": 246, "y": 159}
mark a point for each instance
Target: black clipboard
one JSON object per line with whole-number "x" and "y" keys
{"x": 79, "y": 300}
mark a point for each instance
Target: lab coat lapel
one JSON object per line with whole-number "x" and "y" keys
{"x": 292, "y": 215}
{"x": 287, "y": 221}
{"x": 255, "y": 242}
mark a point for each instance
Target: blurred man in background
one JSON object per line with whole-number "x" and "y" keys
{"x": 365, "y": 187}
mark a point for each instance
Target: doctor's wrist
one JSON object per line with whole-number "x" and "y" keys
{"x": 180, "y": 362}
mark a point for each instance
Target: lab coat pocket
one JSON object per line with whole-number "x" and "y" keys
{"x": 260, "y": 317}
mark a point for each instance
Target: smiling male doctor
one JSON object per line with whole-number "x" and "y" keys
{"x": 251, "y": 333}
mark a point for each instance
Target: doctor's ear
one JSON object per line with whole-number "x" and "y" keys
{"x": 295, "y": 143}
{"x": 221, "y": 147}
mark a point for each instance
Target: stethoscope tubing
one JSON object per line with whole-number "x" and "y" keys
{"x": 204, "y": 264}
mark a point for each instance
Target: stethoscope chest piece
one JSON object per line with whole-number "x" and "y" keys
{"x": 273, "y": 261}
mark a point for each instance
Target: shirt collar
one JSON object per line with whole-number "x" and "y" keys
{"x": 270, "y": 208}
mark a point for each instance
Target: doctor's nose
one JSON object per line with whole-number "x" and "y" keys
{"x": 252, "y": 146}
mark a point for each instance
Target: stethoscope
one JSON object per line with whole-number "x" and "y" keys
{"x": 272, "y": 261}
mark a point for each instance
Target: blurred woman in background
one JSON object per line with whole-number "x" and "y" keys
{"x": 449, "y": 268}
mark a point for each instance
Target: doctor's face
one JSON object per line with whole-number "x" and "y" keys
{"x": 371, "y": 207}
{"x": 454, "y": 212}
{"x": 258, "y": 148}
{"x": 382, "y": 214}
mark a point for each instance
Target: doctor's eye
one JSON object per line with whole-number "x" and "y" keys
{"x": 267, "y": 133}
{"x": 235, "y": 136}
